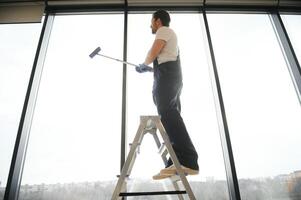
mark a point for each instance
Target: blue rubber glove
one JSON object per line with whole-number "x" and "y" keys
{"x": 144, "y": 68}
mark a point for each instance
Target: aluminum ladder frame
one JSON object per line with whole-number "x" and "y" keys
{"x": 150, "y": 124}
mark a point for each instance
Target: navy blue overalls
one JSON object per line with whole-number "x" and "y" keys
{"x": 166, "y": 95}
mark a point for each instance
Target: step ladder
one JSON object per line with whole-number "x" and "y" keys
{"x": 150, "y": 124}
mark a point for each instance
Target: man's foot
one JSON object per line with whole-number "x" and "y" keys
{"x": 171, "y": 171}
{"x": 160, "y": 176}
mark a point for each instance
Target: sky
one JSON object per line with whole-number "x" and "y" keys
{"x": 17, "y": 54}
{"x": 75, "y": 133}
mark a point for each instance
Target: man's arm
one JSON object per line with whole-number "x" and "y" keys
{"x": 155, "y": 50}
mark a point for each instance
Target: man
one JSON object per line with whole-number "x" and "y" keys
{"x": 167, "y": 88}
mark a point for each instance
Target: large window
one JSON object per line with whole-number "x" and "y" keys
{"x": 18, "y": 45}
{"x": 74, "y": 146}
{"x": 75, "y": 136}
{"x": 292, "y": 25}
{"x": 197, "y": 107}
{"x": 262, "y": 108}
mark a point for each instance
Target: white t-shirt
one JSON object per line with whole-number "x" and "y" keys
{"x": 170, "y": 50}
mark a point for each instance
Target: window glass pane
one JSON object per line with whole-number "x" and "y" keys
{"x": 292, "y": 25}
{"x": 18, "y": 43}
{"x": 74, "y": 145}
{"x": 262, "y": 108}
{"x": 197, "y": 102}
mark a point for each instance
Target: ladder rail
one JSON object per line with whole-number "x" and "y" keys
{"x": 150, "y": 124}
{"x": 174, "y": 158}
{"x": 164, "y": 158}
{"x": 128, "y": 163}
{"x": 158, "y": 143}
{"x": 177, "y": 188}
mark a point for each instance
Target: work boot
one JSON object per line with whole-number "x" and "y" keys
{"x": 160, "y": 176}
{"x": 171, "y": 171}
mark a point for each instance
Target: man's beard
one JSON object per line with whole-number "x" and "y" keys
{"x": 154, "y": 31}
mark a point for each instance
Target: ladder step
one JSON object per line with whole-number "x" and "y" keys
{"x": 123, "y": 194}
{"x": 163, "y": 150}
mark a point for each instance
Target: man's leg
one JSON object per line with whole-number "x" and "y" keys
{"x": 167, "y": 100}
{"x": 179, "y": 137}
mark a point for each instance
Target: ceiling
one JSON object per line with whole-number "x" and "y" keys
{"x": 290, "y": 3}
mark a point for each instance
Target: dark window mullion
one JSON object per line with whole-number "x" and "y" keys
{"x": 18, "y": 158}
{"x": 222, "y": 119}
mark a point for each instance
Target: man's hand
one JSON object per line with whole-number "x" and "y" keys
{"x": 144, "y": 68}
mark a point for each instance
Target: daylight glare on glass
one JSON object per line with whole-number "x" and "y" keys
{"x": 74, "y": 145}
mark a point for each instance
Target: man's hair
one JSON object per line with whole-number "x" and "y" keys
{"x": 163, "y": 15}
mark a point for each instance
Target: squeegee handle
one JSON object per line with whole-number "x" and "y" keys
{"x": 128, "y": 63}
